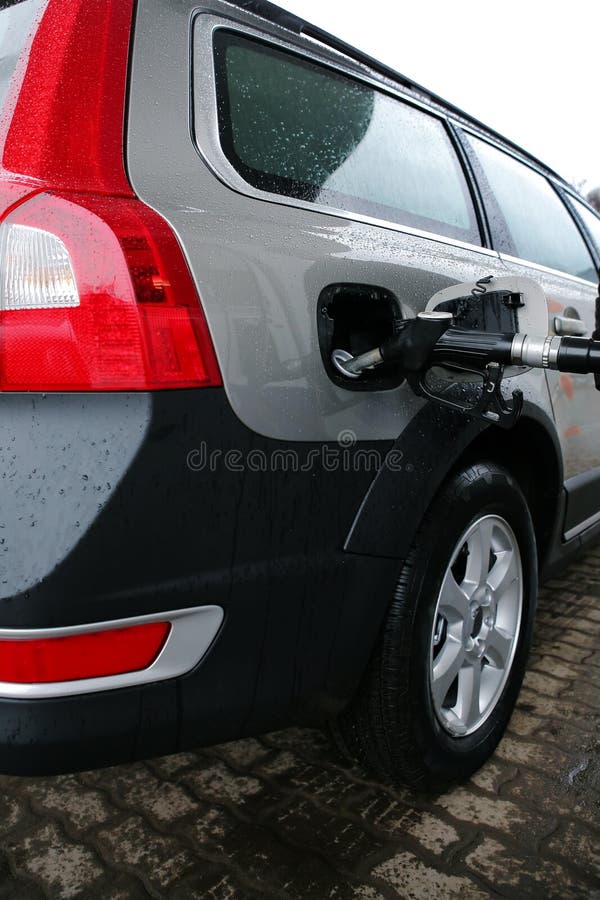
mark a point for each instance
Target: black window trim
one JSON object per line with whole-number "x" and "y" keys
{"x": 463, "y": 150}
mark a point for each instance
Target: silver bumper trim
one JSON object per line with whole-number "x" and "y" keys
{"x": 192, "y": 632}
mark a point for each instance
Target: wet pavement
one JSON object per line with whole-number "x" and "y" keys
{"x": 284, "y": 816}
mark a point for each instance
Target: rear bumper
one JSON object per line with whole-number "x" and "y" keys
{"x": 269, "y": 667}
{"x": 109, "y": 512}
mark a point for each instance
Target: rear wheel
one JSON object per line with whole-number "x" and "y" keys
{"x": 449, "y": 663}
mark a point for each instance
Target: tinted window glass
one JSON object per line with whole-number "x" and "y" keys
{"x": 531, "y": 220}
{"x": 590, "y": 220}
{"x": 296, "y": 128}
{"x": 16, "y": 22}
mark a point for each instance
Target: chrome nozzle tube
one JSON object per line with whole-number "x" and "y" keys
{"x": 364, "y": 361}
{"x": 539, "y": 352}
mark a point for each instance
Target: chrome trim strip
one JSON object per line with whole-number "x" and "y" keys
{"x": 211, "y": 152}
{"x": 538, "y": 267}
{"x": 583, "y": 526}
{"x": 192, "y": 633}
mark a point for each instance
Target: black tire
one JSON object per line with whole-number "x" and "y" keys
{"x": 391, "y": 726}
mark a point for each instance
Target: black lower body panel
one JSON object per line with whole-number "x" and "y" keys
{"x": 113, "y": 507}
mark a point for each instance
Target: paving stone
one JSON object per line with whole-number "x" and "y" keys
{"x": 214, "y": 780}
{"x": 433, "y": 833}
{"x": 341, "y": 840}
{"x": 523, "y": 876}
{"x": 324, "y": 785}
{"x": 414, "y": 880}
{"x": 564, "y": 652}
{"x": 582, "y": 639}
{"x": 162, "y": 800}
{"x": 244, "y": 754}
{"x": 384, "y": 812}
{"x": 554, "y": 797}
{"x": 62, "y": 868}
{"x": 11, "y": 813}
{"x": 578, "y": 845}
{"x": 549, "y": 665}
{"x": 157, "y": 858}
{"x": 524, "y": 724}
{"x": 77, "y": 805}
{"x": 492, "y": 812}
{"x": 546, "y": 707}
{"x": 493, "y": 775}
{"x": 531, "y": 753}
{"x": 543, "y": 684}
{"x": 214, "y": 886}
{"x": 17, "y": 887}
{"x": 171, "y": 766}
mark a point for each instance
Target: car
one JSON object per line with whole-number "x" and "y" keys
{"x": 207, "y": 529}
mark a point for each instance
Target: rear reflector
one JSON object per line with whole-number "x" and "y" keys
{"x": 95, "y": 294}
{"x": 93, "y": 654}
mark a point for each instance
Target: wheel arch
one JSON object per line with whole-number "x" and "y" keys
{"x": 531, "y": 453}
{"x": 438, "y": 440}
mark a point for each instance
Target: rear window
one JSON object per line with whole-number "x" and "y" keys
{"x": 17, "y": 21}
{"x": 293, "y": 127}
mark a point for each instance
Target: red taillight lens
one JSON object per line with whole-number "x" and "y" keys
{"x": 95, "y": 294}
{"x": 62, "y": 124}
{"x": 93, "y": 654}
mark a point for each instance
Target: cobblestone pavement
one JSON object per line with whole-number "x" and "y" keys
{"x": 283, "y": 816}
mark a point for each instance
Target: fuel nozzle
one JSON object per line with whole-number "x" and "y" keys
{"x": 432, "y": 339}
{"x": 411, "y": 347}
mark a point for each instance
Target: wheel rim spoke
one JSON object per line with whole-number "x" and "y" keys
{"x": 445, "y": 669}
{"x": 499, "y": 647}
{"x": 479, "y": 544}
{"x": 453, "y": 602}
{"x": 469, "y": 689}
{"x": 503, "y": 573}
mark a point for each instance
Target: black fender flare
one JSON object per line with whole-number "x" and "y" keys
{"x": 415, "y": 468}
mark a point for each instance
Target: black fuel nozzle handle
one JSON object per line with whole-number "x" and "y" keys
{"x": 410, "y": 348}
{"x": 413, "y": 346}
{"x": 431, "y": 338}
{"x": 472, "y": 349}
{"x": 476, "y": 349}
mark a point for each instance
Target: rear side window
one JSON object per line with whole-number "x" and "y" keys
{"x": 17, "y": 21}
{"x": 527, "y": 217}
{"x": 293, "y": 127}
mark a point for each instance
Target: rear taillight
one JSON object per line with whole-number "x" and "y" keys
{"x": 95, "y": 294}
